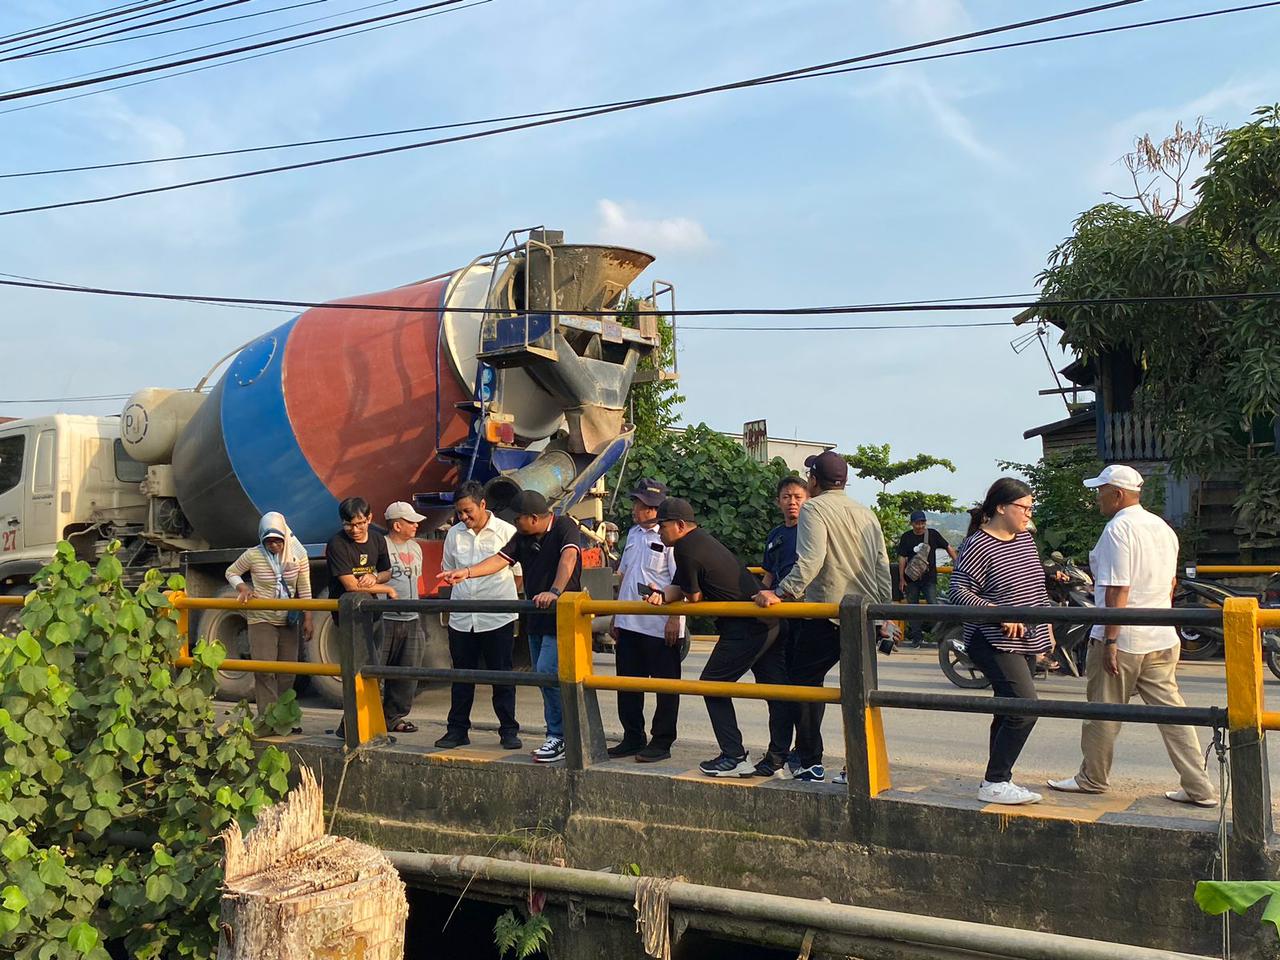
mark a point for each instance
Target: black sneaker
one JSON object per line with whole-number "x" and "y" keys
{"x": 451, "y": 740}
{"x": 652, "y": 754}
{"x": 723, "y": 766}
{"x": 767, "y": 767}
{"x": 510, "y": 741}
{"x": 625, "y": 749}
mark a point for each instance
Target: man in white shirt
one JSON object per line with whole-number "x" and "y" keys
{"x": 1134, "y": 565}
{"x": 646, "y": 646}
{"x": 479, "y": 638}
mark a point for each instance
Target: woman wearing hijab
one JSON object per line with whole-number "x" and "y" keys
{"x": 999, "y": 565}
{"x": 278, "y": 569}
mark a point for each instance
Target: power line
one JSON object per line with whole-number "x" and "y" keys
{"x": 562, "y": 116}
{"x": 54, "y": 88}
{"x": 551, "y": 113}
{"x": 109, "y": 13}
{"x": 254, "y": 56}
{"x": 122, "y": 396}
{"x": 959, "y": 304}
{"x": 85, "y": 45}
{"x": 63, "y": 44}
{"x": 15, "y": 45}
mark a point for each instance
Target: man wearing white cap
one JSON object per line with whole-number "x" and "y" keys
{"x": 1134, "y": 565}
{"x": 403, "y": 642}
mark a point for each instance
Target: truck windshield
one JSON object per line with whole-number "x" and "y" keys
{"x": 128, "y": 470}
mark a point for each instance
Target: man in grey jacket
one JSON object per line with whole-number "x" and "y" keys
{"x": 839, "y": 550}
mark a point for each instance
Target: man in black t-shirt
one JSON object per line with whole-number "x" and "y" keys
{"x": 549, "y": 550}
{"x": 357, "y": 555}
{"x": 707, "y": 570}
{"x": 923, "y": 539}
{"x": 358, "y": 559}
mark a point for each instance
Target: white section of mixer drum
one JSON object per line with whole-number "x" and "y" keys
{"x": 537, "y": 413}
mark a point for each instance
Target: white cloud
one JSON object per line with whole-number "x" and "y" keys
{"x": 668, "y": 234}
{"x": 942, "y": 108}
{"x": 934, "y": 18}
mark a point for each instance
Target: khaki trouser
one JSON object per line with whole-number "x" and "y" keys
{"x": 270, "y": 642}
{"x": 1153, "y": 677}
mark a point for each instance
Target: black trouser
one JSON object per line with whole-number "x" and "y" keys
{"x": 917, "y": 590}
{"x": 469, "y": 651}
{"x": 640, "y": 655}
{"x": 744, "y": 645}
{"x": 403, "y": 644}
{"x": 1010, "y": 676}
{"x": 814, "y": 651}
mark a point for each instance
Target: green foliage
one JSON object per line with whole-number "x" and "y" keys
{"x": 732, "y": 495}
{"x": 523, "y": 938}
{"x": 1067, "y": 517}
{"x": 874, "y": 461}
{"x": 1216, "y": 897}
{"x": 655, "y": 403}
{"x": 122, "y": 741}
{"x": 1210, "y": 370}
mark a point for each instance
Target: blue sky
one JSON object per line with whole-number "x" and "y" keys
{"x": 948, "y": 179}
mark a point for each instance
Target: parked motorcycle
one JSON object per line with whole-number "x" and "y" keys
{"x": 1068, "y": 585}
{"x": 1202, "y": 643}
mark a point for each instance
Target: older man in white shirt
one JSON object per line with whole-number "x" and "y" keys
{"x": 479, "y": 640}
{"x": 1134, "y": 565}
{"x": 647, "y": 646}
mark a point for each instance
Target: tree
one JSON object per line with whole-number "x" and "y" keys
{"x": 654, "y": 403}
{"x": 874, "y": 462}
{"x": 1158, "y": 170}
{"x": 733, "y": 496}
{"x": 1210, "y": 370}
{"x": 119, "y": 742}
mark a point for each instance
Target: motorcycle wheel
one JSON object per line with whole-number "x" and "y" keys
{"x": 959, "y": 669}
{"x": 1198, "y": 645}
{"x": 1271, "y": 654}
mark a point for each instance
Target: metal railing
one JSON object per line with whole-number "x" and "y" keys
{"x": 1244, "y": 718}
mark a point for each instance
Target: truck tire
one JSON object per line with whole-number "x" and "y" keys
{"x": 324, "y": 649}
{"x": 11, "y": 616}
{"x": 229, "y": 628}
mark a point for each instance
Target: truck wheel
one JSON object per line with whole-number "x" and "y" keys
{"x": 229, "y": 628}
{"x": 324, "y": 649}
{"x": 11, "y": 617}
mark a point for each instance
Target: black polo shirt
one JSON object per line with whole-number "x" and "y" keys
{"x": 705, "y": 565}
{"x": 539, "y": 556}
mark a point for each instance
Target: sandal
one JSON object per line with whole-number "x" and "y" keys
{"x": 405, "y": 726}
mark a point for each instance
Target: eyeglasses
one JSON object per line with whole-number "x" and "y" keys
{"x": 1027, "y": 508}
{"x": 352, "y": 524}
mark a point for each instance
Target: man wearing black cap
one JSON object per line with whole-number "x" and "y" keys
{"x": 918, "y": 578}
{"x": 839, "y": 550}
{"x": 549, "y": 549}
{"x": 707, "y": 570}
{"x": 646, "y": 646}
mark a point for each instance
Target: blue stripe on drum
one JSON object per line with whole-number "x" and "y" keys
{"x": 261, "y": 444}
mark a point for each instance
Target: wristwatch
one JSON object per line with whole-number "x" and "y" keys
{"x": 556, "y": 590}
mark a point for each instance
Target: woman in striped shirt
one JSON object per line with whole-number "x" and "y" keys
{"x": 999, "y": 565}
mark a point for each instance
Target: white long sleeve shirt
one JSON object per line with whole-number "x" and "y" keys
{"x": 641, "y": 564}
{"x": 463, "y": 548}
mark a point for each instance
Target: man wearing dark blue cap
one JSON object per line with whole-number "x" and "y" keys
{"x": 647, "y": 646}
{"x": 918, "y": 568}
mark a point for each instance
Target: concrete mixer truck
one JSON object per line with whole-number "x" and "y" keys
{"x": 513, "y": 370}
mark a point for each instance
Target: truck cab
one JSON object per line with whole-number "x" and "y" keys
{"x": 62, "y": 477}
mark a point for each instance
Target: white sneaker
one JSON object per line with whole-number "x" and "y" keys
{"x": 1181, "y": 796}
{"x": 549, "y": 752}
{"x": 1069, "y": 785}
{"x": 1006, "y": 792}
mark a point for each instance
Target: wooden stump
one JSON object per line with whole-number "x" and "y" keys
{"x": 292, "y": 893}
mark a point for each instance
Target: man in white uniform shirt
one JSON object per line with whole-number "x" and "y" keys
{"x": 479, "y": 640}
{"x": 646, "y": 646}
{"x": 1134, "y": 565}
